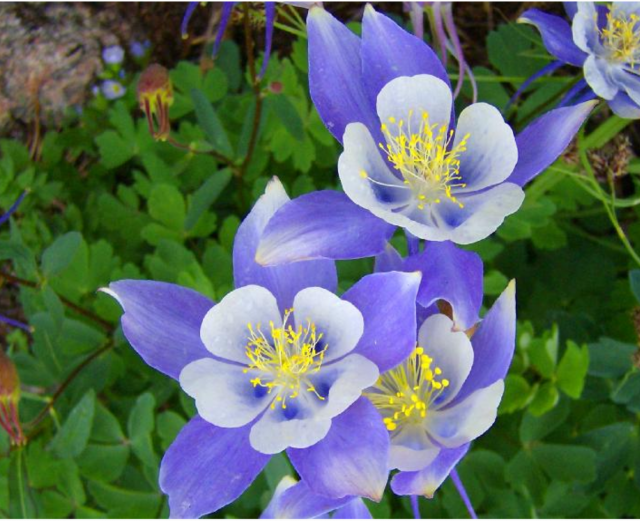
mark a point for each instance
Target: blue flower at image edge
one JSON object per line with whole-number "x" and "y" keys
{"x": 280, "y": 363}
{"x": 605, "y": 42}
{"x": 406, "y": 161}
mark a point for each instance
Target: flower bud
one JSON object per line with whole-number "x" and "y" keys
{"x": 9, "y": 397}
{"x": 155, "y": 95}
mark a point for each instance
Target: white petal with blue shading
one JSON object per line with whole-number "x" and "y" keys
{"x": 224, "y": 394}
{"x": 451, "y": 352}
{"x": 491, "y": 152}
{"x": 341, "y": 383}
{"x": 296, "y": 426}
{"x": 411, "y": 448}
{"x": 225, "y": 330}
{"x": 340, "y": 322}
{"x": 365, "y": 176}
{"x": 598, "y": 75}
{"x": 629, "y": 81}
{"x": 482, "y": 213}
{"x": 467, "y": 420}
{"x": 407, "y": 98}
{"x": 584, "y": 28}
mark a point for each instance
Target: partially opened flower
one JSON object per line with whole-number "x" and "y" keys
{"x": 155, "y": 96}
{"x": 387, "y": 98}
{"x": 295, "y": 500}
{"x": 9, "y": 399}
{"x": 278, "y": 364}
{"x": 605, "y": 42}
{"x": 444, "y": 395}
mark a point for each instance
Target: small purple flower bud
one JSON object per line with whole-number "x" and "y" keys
{"x": 113, "y": 55}
{"x": 112, "y": 90}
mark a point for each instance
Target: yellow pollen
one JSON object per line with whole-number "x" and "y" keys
{"x": 425, "y": 157}
{"x": 404, "y": 394}
{"x": 621, "y": 37}
{"x": 285, "y": 357}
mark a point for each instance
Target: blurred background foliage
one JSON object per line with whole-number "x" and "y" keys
{"x": 106, "y": 202}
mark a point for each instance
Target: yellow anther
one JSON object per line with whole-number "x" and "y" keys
{"x": 621, "y": 37}
{"x": 363, "y": 174}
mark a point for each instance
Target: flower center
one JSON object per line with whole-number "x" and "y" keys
{"x": 425, "y": 157}
{"x": 404, "y": 394}
{"x": 288, "y": 356}
{"x": 621, "y": 37}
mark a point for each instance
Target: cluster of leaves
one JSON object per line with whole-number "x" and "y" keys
{"x": 107, "y": 202}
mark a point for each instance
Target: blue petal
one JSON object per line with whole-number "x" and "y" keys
{"x": 388, "y": 260}
{"x": 184, "y": 26}
{"x": 293, "y": 500}
{"x": 355, "y": 509}
{"x": 427, "y": 481}
{"x": 162, "y": 322}
{"x": 335, "y": 74}
{"x": 322, "y": 225}
{"x": 556, "y": 35}
{"x": 352, "y": 459}
{"x": 388, "y": 52}
{"x": 546, "y": 138}
{"x": 5, "y": 217}
{"x": 387, "y": 302}
{"x": 493, "y": 344}
{"x": 450, "y": 274}
{"x": 207, "y": 467}
{"x": 283, "y": 281}
{"x": 571, "y": 8}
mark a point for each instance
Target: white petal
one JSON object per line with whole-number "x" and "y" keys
{"x": 451, "y": 352}
{"x": 275, "y": 431}
{"x": 491, "y": 151}
{"x": 341, "y": 383}
{"x": 411, "y": 448}
{"x": 224, "y": 329}
{"x": 415, "y": 94}
{"x": 630, "y": 82}
{"x": 467, "y": 420}
{"x": 597, "y": 72}
{"x": 339, "y": 321}
{"x": 481, "y": 215}
{"x": 628, "y": 8}
{"x": 365, "y": 176}
{"x": 585, "y": 29}
{"x": 223, "y": 392}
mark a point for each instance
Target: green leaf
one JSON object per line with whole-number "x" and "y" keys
{"x": 289, "y": 116}
{"x": 610, "y": 358}
{"x": 567, "y": 462}
{"x": 517, "y": 393}
{"x": 169, "y": 424}
{"x": 545, "y": 399}
{"x": 140, "y": 426}
{"x": 634, "y": 281}
{"x": 534, "y": 428}
{"x": 166, "y": 205}
{"x": 114, "y": 150}
{"x": 72, "y": 438}
{"x": 211, "y": 125}
{"x": 543, "y": 352}
{"x": 206, "y": 195}
{"x": 103, "y": 462}
{"x": 124, "y": 502}
{"x": 494, "y": 282}
{"x": 572, "y": 369}
{"x": 60, "y": 254}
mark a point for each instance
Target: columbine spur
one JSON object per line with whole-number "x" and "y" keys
{"x": 279, "y": 363}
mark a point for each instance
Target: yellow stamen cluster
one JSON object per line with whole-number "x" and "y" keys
{"x": 405, "y": 393}
{"x": 425, "y": 157}
{"x": 621, "y": 37}
{"x": 287, "y": 355}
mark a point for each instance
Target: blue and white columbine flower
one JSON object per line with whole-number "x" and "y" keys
{"x": 605, "y": 42}
{"x": 113, "y": 55}
{"x": 293, "y": 499}
{"x": 437, "y": 182}
{"x": 436, "y": 179}
{"x": 445, "y": 395}
{"x": 280, "y": 363}
{"x": 112, "y": 89}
